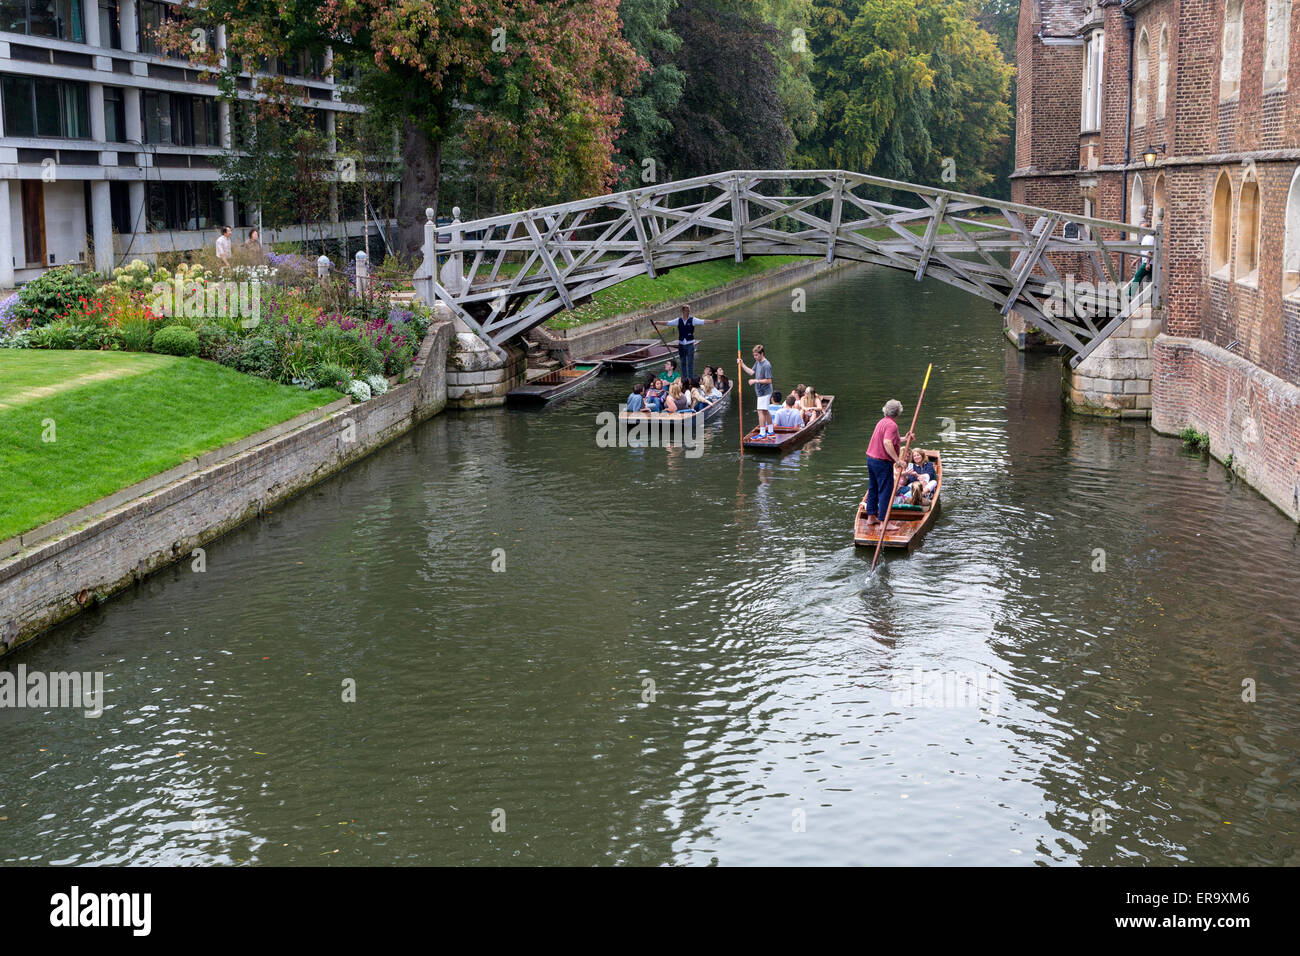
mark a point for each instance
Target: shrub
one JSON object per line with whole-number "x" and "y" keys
{"x": 378, "y": 384}
{"x": 176, "y": 340}
{"x": 359, "y": 390}
{"x": 330, "y": 375}
{"x": 52, "y": 295}
{"x": 66, "y": 334}
{"x": 211, "y": 339}
{"x": 259, "y": 357}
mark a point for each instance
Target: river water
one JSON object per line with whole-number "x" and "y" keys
{"x": 683, "y": 660}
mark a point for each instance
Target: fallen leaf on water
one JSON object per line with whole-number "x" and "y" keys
{"x": 259, "y": 753}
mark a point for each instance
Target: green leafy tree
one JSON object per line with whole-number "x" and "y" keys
{"x": 905, "y": 85}
{"x": 731, "y": 114}
{"x": 646, "y": 128}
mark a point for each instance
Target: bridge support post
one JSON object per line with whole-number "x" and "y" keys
{"x": 1115, "y": 380}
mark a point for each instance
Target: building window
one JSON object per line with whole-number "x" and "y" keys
{"x": 1248, "y": 233}
{"x": 1291, "y": 246}
{"x": 1093, "y": 57}
{"x": 1230, "y": 63}
{"x": 110, "y": 35}
{"x": 60, "y": 19}
{"x": 1221, "y": 227}
{"x": 182, "y": 206}
{"x": 1142, "y": 81}
{"x": 1158, "y": 198}
{"x": 1278, "y": 40}
{"x": 171, "y": 119}
{"x": 114, "y": 115}
{"x": 1137, "y": 203}
{"x": 1162, "y": 74}
{"x": 41, "y": 107}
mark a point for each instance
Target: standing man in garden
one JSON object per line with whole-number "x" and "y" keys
{"x": 223, "y": 246}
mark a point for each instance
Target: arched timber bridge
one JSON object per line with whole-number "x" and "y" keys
{"x": 506, "y": 274}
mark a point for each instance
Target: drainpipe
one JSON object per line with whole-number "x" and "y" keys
{"x": 1131, "y": 24}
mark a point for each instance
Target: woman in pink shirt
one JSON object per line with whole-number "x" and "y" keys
{"x": 884, "y": 450}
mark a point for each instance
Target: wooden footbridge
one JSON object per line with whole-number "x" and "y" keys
{"x": 503, "y": 275}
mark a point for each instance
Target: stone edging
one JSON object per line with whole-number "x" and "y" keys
{"x": 83, "y": 558}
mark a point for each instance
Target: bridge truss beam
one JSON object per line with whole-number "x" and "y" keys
{"x": 506, "y": 274}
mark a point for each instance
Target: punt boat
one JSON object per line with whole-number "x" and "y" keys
{"x": 788, "y": 439}
{"x": 670, "y": 420}
{"x": 553, "y": 385}
{"x": 906, "y": 523}
{"x": 634, "y": 356}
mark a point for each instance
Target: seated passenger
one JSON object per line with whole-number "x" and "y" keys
{"x": 721, "y": 381}
{"x": 921, "y": 475}
{"x": 710, "y": 388}
{"x": 788, "y": 415}
{"x": 675, "y": 402}
{"x": 636, "y": 401}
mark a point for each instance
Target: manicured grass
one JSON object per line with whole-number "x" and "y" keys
{"x": 112, "y": 432}
{"x": 641, "y": 292}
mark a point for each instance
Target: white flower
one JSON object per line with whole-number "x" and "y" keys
{"x": 359, "y": 390}
{"x": 378, "y": 384}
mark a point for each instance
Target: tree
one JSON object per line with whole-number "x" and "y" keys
{"x": 905, "y": 85}
{"x": 504, "y": 64}
{"x": 646, "y": 129}
{"x": 730, "y": 115}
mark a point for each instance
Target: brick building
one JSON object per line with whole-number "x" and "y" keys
{"x": 1189, "y": 109}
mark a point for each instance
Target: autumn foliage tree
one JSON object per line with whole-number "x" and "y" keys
{"x": 535, "y": 85}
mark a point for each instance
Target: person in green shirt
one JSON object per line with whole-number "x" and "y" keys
{"x": 670, "y": 373}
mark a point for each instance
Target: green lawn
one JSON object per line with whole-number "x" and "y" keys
{"x": 641, "y": 292}
{"x": 141, "y": 414}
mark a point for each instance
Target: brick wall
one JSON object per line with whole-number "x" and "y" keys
{"x": 1249, "y": 414}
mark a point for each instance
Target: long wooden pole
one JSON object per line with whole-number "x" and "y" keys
{"x": 899, "y": 474}
{"x": 740, "y": 395}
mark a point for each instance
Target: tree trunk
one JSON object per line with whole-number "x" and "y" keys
{"x": 421, "y": 164}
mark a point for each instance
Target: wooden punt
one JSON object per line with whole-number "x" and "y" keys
{"x": 555, "y": 384}
{"x": 668, "y": 420}
{"x": 787, "y": 439}
{"x": 906, "y": 522}
{"x": 634, "y": 356}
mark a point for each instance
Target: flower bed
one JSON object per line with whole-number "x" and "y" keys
{"x": 273, "y": 319}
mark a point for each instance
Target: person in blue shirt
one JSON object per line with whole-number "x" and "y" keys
{"x": 788, "y": 414}
{"x": 635, "y": 401}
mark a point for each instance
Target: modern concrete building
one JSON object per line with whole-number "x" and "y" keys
{"x": 109, "y": 149}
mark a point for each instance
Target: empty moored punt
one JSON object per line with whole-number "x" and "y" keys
{"x": 906, "y": 523}
{"x": 667, "y": 420}
{"x": 787, "y": 439}
{"x": 643, "y": 353}
{"x": 554, "y": 385}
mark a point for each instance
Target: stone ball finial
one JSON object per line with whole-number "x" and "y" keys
{"x": 455, "y": 212}
{"x": 428, "y": 213}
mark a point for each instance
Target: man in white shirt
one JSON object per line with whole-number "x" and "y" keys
{"x": 223, "y": 245}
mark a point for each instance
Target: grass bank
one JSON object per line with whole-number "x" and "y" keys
{"x": 116, "y": 418}
{"x": 642, "y": 292}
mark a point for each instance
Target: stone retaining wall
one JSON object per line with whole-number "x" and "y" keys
{"x": 118, "y": 542}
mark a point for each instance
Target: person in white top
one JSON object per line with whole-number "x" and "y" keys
{"x": 223, "y": 246}
{"x": 1143, "y": 270}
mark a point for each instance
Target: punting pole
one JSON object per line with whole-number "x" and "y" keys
{"x": 740, "y": 396}
{"x": 898, "y": 474}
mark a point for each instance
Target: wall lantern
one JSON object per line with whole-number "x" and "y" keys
{"x": 1149, "y": 157}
